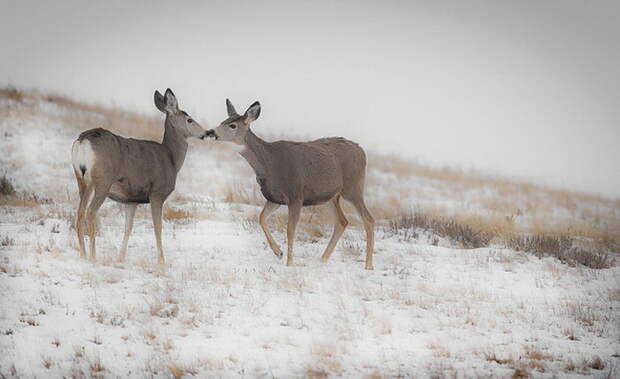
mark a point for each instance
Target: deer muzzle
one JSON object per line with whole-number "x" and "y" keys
{"x": 211, "y": 133}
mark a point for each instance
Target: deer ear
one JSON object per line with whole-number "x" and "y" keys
{"x": 253, "y": 112}
{"x": 171, "y": 101}
{"x": 159, "y": 101}
{"x": 230, "y": 109}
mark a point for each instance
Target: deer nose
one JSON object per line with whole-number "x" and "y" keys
{"x": 210, "y": 133}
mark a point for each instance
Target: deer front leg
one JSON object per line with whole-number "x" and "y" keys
{"x": 294, "y": 210}
{"x": 156, "y": 208}
{"x": 262, "y": 220}
{"x": 130, "y": 211}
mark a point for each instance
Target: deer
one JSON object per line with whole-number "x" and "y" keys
{"x": 298, "y": 174}
{"x": 130, "y": 171}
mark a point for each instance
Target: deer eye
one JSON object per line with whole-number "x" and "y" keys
{"x": 232, "y": 126}
{"x": 189, "y": 120}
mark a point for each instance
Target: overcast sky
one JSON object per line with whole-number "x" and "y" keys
{"x": 526, "y": 89}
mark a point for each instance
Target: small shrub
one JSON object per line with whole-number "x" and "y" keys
{"x": 7, "y": 241}
{"x": 46, "y": 361}
{"x": 596, "y": 363}
{"x": 6, "y": 186}
{"x": 96, "y": 368}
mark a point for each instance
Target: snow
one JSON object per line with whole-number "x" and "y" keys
{"x": 225, "y": 306}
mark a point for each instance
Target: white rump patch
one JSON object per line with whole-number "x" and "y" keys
{"x": 82, "y": 156}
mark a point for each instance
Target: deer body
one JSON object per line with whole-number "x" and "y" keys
{"x": 130, "y": 171}
{"x": 299, "y": 174}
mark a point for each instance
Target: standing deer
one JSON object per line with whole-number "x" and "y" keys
{"x": 130, "y": 171}
{"x": 298, "y": 174}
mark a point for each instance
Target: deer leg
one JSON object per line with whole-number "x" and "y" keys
{"x": 339, "y": 227}
{"x": 156, "y": 209}
{"x": 294, "y": 210}
{"x": 130, "y": 211}
{"x": 91, "y": 218}
{"x": 369, "y": 224}
{"x": 85, "y": 192}
{"x": 262, "y": 220}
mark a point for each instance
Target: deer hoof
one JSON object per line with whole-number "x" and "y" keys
{"x": 369, "y": 267}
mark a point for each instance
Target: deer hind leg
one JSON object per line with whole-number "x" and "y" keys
{"x": 294, "y": 210}
{"x": 369, "y": 225}
{"x": 101, "y": 191}
{"x": 156, "y": 209}
{"x": 85, "y": 193}
{"x": 262, "y": 220}
{"x": 130, "y": 211}
{"x": 339, "y": 227}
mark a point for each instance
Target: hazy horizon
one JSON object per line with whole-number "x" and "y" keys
{"x": 526, "y": 89}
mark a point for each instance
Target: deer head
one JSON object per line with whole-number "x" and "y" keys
{"x": 235, "y": 127}
{"x": 177, "y": 119}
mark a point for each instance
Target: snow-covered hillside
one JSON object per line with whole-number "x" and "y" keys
{"x": 225, "y": 306}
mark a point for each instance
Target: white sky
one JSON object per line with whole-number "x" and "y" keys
{"x": 526, "y": 89}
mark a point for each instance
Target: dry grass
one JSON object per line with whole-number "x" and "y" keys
{"x": 562, "y": 247}
{"x": 237, "y": 193}
{"x": 178, "y": 370}
{"x": 13, "y": 93}
{"x": 326, "y": 362}
{"x": 461, "y": 233}
{"x": 507, "y": 188}
{"x": 439, "y": 351}
{"x": 176, "y": 214}
{"x": 475, "y": 232}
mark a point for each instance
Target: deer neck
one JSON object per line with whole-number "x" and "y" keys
{"x": 256, "y": 152}
{"x": 176, "y": 145}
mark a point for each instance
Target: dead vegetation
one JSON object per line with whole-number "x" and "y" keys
{"x": 179, "y": 371}
{"x": 171, "y": 214}
{"x": 562, "y": 247}
{"x": 461, "y": 233}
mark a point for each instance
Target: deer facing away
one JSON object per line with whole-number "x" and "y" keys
{"x": 297, "y": 174}
{"x": 130, "y": 171}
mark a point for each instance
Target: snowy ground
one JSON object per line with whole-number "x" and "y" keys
{"x": 225, "y": 306}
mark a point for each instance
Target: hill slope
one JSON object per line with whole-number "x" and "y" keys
{"x": 446, "y": 297}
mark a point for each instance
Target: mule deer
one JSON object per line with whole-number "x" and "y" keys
{"x": 130, "y": 171}
{"x": 297, "y": 174}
